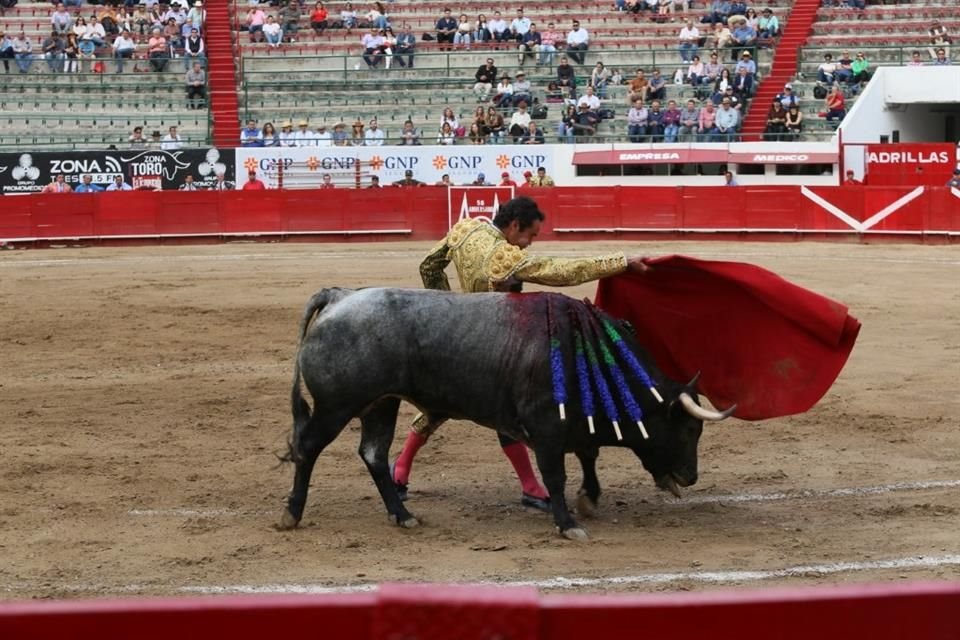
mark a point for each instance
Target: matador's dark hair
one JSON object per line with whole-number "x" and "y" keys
{"x": 523, "y": 209}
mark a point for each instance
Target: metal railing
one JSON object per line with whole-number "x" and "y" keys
{"x": 876, "y": 55}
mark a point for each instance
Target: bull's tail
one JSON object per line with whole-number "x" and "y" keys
{"x": 299, "y": 406}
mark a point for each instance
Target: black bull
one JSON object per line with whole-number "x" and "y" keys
{"x": 479, "y": 357}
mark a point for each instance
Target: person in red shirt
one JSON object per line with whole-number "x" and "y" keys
{"x": 327, "y": 182}
{"x": 252, "y": 183}
{"x": 850, "y": 179}
{"x": 318, "y": 18}
{"x": 506, "y": 181}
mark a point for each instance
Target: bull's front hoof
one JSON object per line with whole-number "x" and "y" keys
{"x": 288, "y": 521}
{"x": 585, "y": 506}
{"x": 577, "y": 534}
{"x": 407, "y": 523}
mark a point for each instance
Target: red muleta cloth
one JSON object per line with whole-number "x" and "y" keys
{"x": 766, "y": 344}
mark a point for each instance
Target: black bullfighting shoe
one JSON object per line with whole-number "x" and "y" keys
{"x": 401, "y": 488}
{"x": 528, "y": 500}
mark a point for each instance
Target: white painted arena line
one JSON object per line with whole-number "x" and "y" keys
{"x": 561, "y": 582}
{"x": 689, "y": 498}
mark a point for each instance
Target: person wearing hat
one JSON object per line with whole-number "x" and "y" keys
{"x": 252, "y": 183}
{"x": 787, "y": 98}
{"x": 481, "y": 181}
{"x": 746, "y": 62}
{"x": 251, "y": 136}
{"x": 522, "y": 90}
{"x": 356, "y": 133}
{"x": 323, "y": 137}
{"x": 954, "y": 182}
{"x": 527, "y": 177}
{"x": 850, "y": 180}
{"x": 197, "y": 16}
{"x": 408, "y": 180}
{"x": 506, "y": 180}
{"x": 304, "y": 137}
{"x": 340, "y": 138}
{"x": 287, "y": 136}
{"x": 155, "y": 139}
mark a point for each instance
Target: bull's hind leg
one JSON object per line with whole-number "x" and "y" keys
{"x": 308, "y": 443}
{"x": 590, "y": 489}
{"x": 378, "y": 426}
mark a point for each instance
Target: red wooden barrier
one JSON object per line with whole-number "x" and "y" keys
{"x": 422, "y": 213}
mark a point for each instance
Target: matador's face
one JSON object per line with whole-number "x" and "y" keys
{"x": 524, "y": 238}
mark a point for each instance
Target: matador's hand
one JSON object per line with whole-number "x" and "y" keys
{"x": 637, "y": 264}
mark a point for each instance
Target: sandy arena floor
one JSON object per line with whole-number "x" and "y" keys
{"x": 145, "y": 395}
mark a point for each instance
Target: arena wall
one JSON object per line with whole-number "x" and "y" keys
{"x": 918, "y": 213}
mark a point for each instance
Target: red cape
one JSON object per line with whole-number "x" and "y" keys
{"x": 768, "y": 345}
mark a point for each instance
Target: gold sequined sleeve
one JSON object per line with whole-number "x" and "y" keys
{"x": 431, "y": 269}
{"x": 562, "y": 272}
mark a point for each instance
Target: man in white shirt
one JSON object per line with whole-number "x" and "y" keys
{"x": 119, "y": 185}
{"x": 726, "y": 122}
{"x": 498, "y": 28}
{"x": 304, "y": 137}
{"x": 578, "y": 40}
{"x": 189, "y": 184}
{"x": 590, "y": 99}
{"x": 123, "y": 47}
{"x": 323, "y": 137}
{"x": 519, "y": 26}
{"x": 689, "y": 42}
{"x": 172, "y": 141}
{"x": 374, "y": 136}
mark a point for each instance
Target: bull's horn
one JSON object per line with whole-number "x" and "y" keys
{"x": 693, "y": 383}
{"x": 697, "y": 411}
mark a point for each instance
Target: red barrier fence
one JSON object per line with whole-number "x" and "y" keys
{"x": 445, "y": 612}
{"x": 422, "y": 213}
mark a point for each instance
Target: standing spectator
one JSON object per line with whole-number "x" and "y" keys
{"x": 348, "y": 17}
{"x": 519, "y": 26}
{"x": 374, "y": 182}
{"x": 637, "y": 121}
{"x": 835, "y": 105}
{"x": 157, "y": 51}
{"x": 408, "y": 180}
{"x": 123, "y": 48}
{"x": 446, "y": 29}
{"x": 485, "y": 76}
{"x": 252, "y": 183}
{"x": 172, "y": 141}
{"x": 671, "y": 122}
{"x": 776, "y": 123}
{"x": 498, "y": 28}
{"x": 689, "y": 121}
{"x": 372, "y": 48}
{"x": 59, "y": 185}
{"x": 287, "y": 136}
{"x": 255, "y": 19}
{"x": 270, "y": 137}
{"x": 529, "y": 45}
{"x": 272, "y": 32}
{"x": 61, "y": 20}
{"x": 119, "y": 184}
{"x": 193, "y": 49}
{"x": 548, "y": 44}
{"x": 290, "y": 20}
{"x": 939, "y": 38}
{"x": 406, "y": 46}
{"x": 251, "y": 136}
{"x": 689, "y": 41}
{"x": 318, "y": 19}
{"x": 374, "y": 137}
{"x": 196, "y": 86}
{"x": 464, "y": 32}
{"x": 53, "y": 51}
{"x": 578, "y": 41}
{"x": 794, "y": 121}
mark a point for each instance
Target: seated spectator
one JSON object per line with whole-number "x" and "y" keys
{"x": 59, "y": 185}
{"x": 861, "y": 70}
{"x": 406, "y": 46}
{"x": 499, "y": 28}
{"x": 409, "y": 136}
{"x": 374, "y": 136}
{"x": 446, "y": 29}
{"x": 372, "y": 48}
{"x": 637, "y": 120}
{"x": 340, "y": 137}
{"x": 270, "y": 136}
{"x": 87, "y": 186}
{"x": 476, "y": 134}
{"x": 599, "y": 78}
{"x": 61, "y": 20}
{"x": 522, "y": 90}
{"x": 707, "y": 123}
{"x": 534, "y": 135}
{"x": 356, "y": 134}
{"x": 348, "y": 17}
{"x": 743, "y": 85}
{"x": 844, "y": 69}
{"x": 743, "y": 37}
{"x": 156, "y": 141}
{"x": 504, "y": 92}
{"x": 657, "y": 89}
{"x": 196, "y": 86}
{"x": 450, "y": 118}
{"x": 327, "y": 182}
{"x": 769, "y": 26}
{"x": 590, "y": 99}
{"x": 529, "y": 45}
{"x": 835, "y": 105}
{"x": 506, "y": 180}
{"x": 287, "y": 137}
{"x": 727, "y": 121}
{"x": 713, "y": 69}
{"x": 193, "y": 49}
{"x": 323, "y": 137}
{"x": 307, "y": 138}
{"x": 172, "y": 141}
{"x": 566, "y": 78}
{"x": 495, "y": 125}
{"x": 942, "y": 59}
{"x": 787, "y": 98}
{"x": 696, "y": 72}
{"x": 939, "y": 38}
{"x": 86, "y": 50}
{"x": 850, "y": 180}
{"x": 481, "y": 30}
{"x": 272, "y": 32}
{"x": 119, "y": 184}
{"x": 251, "y": 136}
{"x": 720, "y": 86}
{"x": 174, "y": 40}
{"x": 553, "y": 93}
{"x": 157, "y": 51}
{"x": 485, "y": 77}
{"x": 318, "y": 19}
{"x": 588, "y": 122}
{"x": 746, "y": 62}
{"x": 794, "y": 121}
{"x": 140, "y": 21}
{"x": 719, "y": 10}
{"x": 408, "y": 180}
{"x": 776, "y": 123}
{"x": 825, "y": 72}
{"x": 549, "y": 41}
{"x": 519, "y": 26}
{"x": 377, "y": 16}
{"x": 519, "y": 122}
{"x": 464, "y": 33}
{"x": 481, "y": 181}
{"x": 689, "y": 121}
{"x": 578, "y": 41}
{"x": 671, "y": 122}
{"x": 566, "y": 128}
{"x": 689, "y": 42}
{"x": 123, "y": 48}
{"x": 655, "y": 122}
{"x": 136, "y": 139}
{"x": 254, "y": 21}
{"x": 197, "y": 16}
{"x": 720, "y": 37}
{"x": 53, "y": 49}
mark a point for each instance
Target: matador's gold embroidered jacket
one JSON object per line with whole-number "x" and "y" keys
{"x": 485, "y": 261}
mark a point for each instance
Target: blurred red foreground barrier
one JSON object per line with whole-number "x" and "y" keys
{"x": 452, "y": 612}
